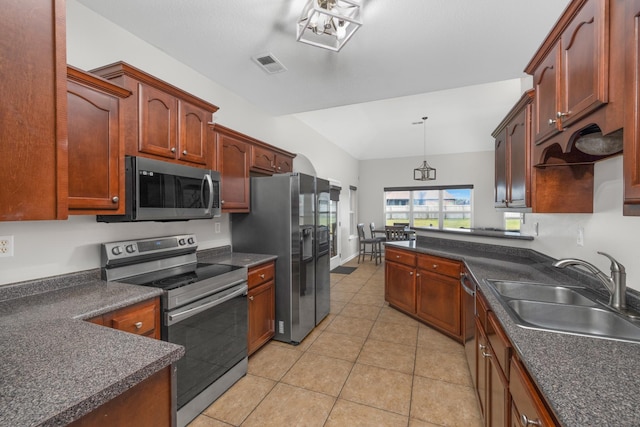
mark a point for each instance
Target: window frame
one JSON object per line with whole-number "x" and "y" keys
{"x": 441, "y": 212}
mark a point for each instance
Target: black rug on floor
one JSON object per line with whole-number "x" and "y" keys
{"x": 344, "y": 270}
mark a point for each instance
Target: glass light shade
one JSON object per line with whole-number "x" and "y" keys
{"x": 329, "y": 24}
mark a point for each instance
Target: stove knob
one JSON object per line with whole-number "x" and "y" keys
{"x": 191, "y": 240}
{"x": 130, "y": 249}
{"x": 181, "y": 242}
{"x": 117, "y": 250}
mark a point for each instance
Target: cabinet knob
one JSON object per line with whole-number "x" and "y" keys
{"x": 411, "y": 273}
{"x": 435, "y": 265}
{"x": 398, "y": 256}
{"x": 115, "y": 199}
{"x": 561, "y": 114}
{"x": 251, "y": 298}
{"x": 262, "y": 276}
{"x": 138, "y": 325}
{"x": 185, "y": 152}
{"x": 417, "y": 274}
{"x": 222, "y": 202}
{"x": 552, "y": 122}
{"x": 173, "y": 149}
{"x": 525, "y": 421}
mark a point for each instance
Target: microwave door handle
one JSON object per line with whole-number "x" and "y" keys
{"x": 207, "y": 177}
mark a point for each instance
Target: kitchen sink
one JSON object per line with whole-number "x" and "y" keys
{"x": 540, "y": 292}
{"x": 576, "y": 319}
{"x": 564, "y": 309}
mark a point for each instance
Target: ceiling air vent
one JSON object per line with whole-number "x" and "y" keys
{"x": 269, "y": 63}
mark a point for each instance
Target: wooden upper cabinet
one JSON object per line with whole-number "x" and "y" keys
{"x": 578, "y": 77}
{"x": 161, "y": 121}
{"x": 33, "y": 115}
{"x": 269, "y": 160}
{"x": 284, "y": 163}
{"x": 233, "y": 165}
{"x": 96, "y": 154}
{"x": 631, "y": 166}
{"x": 512, "y": 148}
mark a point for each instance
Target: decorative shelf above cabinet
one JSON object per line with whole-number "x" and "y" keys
{"x": 161, "y": 120}
{"x": 96, "y": 154}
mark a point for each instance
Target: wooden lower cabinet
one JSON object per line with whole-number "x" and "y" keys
{"x": 140, "y": 319}
{"x": 147, "y": 404}
{"x": 426, "y": 287}
{"x": 505, "y": 390}
{"x": 262, "y": 313}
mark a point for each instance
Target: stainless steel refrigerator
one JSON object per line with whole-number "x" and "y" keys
{"x": 283, "y": 222}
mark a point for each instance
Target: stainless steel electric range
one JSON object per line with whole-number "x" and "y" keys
{"x": 204, "y": 309}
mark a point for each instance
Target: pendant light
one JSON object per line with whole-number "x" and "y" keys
{"x": 424, "y": 172}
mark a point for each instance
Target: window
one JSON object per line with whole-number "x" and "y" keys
{"x": 512, "y": 221}
{"x": 443, "y": 207}
{"x": 353, "y": 211}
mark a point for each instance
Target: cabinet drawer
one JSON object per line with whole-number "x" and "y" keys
{"x": 402, "y": 257}
{"x": 261, "y": 274}
{"x": 141, "y": 322}
{"x": 439, "y": 265}
{"x": 499, "y": 343}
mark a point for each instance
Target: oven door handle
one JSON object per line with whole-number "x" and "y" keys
{"x": 177, "y": 317}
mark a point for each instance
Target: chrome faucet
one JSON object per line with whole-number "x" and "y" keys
{"x": 616, "y": 284}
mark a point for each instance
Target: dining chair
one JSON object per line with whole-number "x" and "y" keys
{"x": 363, "y": 241}
{"x": 395, "y": 232}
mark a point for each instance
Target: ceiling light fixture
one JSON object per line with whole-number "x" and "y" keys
{"x": 424, "y": 172}
{"x": 329, "y": 24}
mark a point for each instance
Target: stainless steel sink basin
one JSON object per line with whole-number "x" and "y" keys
{"x": 540, "y": 292}
{"x": 564, "y": 309}
{"x": 581, "y": 320}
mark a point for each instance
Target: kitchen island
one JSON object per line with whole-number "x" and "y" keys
{"x": 584, "y": 380}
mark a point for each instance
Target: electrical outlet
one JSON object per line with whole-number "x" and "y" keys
{"x": 217, "y": 227}
{"x": 580, "y": 239}
{"x": 6, "y": 246}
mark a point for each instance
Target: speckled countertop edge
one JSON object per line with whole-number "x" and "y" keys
{"x": 586, "y": 381}
{"x": 57, "y": 367}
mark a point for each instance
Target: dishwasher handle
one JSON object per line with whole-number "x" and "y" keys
{"x": 468, "y": 290}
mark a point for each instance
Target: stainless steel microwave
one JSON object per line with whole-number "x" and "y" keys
{"x": 163, "y": 191}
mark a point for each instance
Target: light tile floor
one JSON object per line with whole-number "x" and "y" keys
{"x": 366, "y": 364}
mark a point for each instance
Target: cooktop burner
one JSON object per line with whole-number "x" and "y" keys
{"x": 170, "y": 279}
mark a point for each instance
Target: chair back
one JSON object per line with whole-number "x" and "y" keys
{"x": 395, "y": 232}
{"x": 361, "y": 231}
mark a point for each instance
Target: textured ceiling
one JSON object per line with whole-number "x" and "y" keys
{"x": 409, "y": 53}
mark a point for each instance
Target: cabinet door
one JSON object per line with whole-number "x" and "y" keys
{"x": 400, "y": 286}
{"x": 526, "y": 403}
{"x": 438, "y": 301}
{"x": 33, "y": 176}
{"x": 498, "y": 395}
{"x": 632, "y": 111}
{"x": 156, "y": 122}
{"x": 585, "y": 71}
{"x": 284, "y": 164}
{"x": 501, "y": 170}
{"x": 261, "y": 315}
{"x": 233, "y": 163}
{"x": 192, "y": 133}
{"x": 545, "y": 81}
{"x": 481, "y": 367}
{"x": 519, "y": 168}
{"x": 263, "y": 160}
{"x": 95, "y": 164}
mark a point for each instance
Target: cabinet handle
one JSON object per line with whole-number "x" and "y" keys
{"x": 173, "y": 149}
{"x": 482, "y": 347}
{"x": 138, "y": 325}
{"x": 184, "y": 152}
{"x": 552, "y": 122}
{"x": 115, "y": 199}
{"x": 561, "y": 114}
{"x": 486, "y": 354}
{"x": 262, "y": 276}
{"x": 251, "y": 298}
{"x": 525, "y": 421}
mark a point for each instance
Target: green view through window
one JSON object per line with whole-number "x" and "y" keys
{"x": 435, "y": 207}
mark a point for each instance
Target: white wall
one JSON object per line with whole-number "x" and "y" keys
{"x": 47, "y": 248}
{"x": 454, "y": 169}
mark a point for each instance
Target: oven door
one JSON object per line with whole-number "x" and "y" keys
{"x": 213, "y": 332}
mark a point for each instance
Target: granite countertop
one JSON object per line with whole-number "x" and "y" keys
{"x": 238, "y": 259}
{"x": 586, "y": 381}
{"x": 55, "y": 367}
